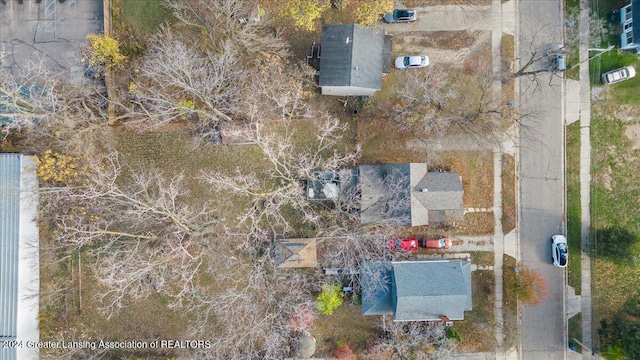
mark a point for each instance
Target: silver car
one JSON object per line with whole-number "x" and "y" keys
{"x": 400, "y": 15}
{"x": 559, "y": 251}
{"x": 618, "y": 75}
{"x": 411, "y": 61}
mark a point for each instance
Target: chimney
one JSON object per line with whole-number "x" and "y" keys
{"x": 447, "y": 322}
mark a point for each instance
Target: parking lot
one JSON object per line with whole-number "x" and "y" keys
{"x": 51, "y": 30}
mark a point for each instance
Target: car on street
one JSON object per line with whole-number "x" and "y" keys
{"x": 437, "y": 243}
{"x": 400, "y": 16}
{"x": 618, "y": 75}
{"x": 407, "y": 244}
{"x": 411, "y": 61}
{"x": 559, "y": 251}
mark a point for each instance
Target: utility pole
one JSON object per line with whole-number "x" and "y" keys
{"x": 601, "y": 51}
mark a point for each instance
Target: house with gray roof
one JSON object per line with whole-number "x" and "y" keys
{"x": 353, "y": 59}
{"x": 630, "y": 36}
{"x": 19, "y": 260}
{"x": 426, "y": 290}
{"x": 409, "y": 195}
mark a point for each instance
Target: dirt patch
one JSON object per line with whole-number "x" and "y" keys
{"x": 633, "y": 133}
{"x": 447, "y": 40}
{"x": 627, "y": 113}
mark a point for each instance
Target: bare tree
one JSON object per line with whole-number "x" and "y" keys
{"x": 597, "y": 27}
{"x": 253, "y": 316}
{"x": 178, "y": 82}
{"x": 239, "y": 21}
{"x": 47, "y": 109}
{"x": 415, "y": 340}
{"x": 280, "y": 186}
{"x": 221, "y": 62}
{"x": 143, "y": 235}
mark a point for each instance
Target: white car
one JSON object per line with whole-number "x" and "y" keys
{"x": 411, "y": 61}
{"x": 559, "y": 251}
{"x": 618, "y": 75}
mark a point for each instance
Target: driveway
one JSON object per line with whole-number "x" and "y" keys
{"x": 447, "y": 34}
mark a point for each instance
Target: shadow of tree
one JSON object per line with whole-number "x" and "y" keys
{"x": 615, "y": 245}
{"x": 620, "y": 336}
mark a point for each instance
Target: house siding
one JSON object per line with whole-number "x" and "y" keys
{"x": 347, "y": 91}
{"x": 630, "y": 36}
{"x": 19, "y": 260}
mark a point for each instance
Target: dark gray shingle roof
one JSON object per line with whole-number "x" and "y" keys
{"x": 351, "y": 55}
{"x": 385, "y": 193}
{"x": 414, "y": 195}
{"x": 425, "y": 290}
{"x": 376, "y": 288}
{"x": 417, "y": 290}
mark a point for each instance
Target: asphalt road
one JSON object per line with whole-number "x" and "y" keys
{"x": 542, "y": 181}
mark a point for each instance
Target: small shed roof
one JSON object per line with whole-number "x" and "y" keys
{"x": 295, "y": 253}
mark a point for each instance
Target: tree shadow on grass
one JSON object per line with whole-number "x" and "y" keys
{"x": 615, "y": 245}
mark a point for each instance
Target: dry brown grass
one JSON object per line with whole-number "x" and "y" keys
{"x": 447, "y": 40}
{"x": 509, "y": 216}
{"x": 345, "y": 325}
{"x": 478, "y": 327}
{"x": 382, "y": 142}
{"x": 509, "y": 303}
{"x": 480, "y": 223}
{"x": 476, "y": 169}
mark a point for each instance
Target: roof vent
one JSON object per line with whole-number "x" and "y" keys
{"x": 348, "y": 41}
{"x": 424, "y": 190}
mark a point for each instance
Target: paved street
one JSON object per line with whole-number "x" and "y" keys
{"x": 541, "y": 189}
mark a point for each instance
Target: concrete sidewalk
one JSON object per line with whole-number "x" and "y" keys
{"x": 578, "y": 108}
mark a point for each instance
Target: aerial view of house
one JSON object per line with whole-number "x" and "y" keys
{"x": 319, "y": 179}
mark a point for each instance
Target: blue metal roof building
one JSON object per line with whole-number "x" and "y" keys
{"x": 19, "y": 256}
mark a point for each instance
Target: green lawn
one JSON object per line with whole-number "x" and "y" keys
{"x": 144, "y": 15}
{"x": 615, "y": 225}
{"x": 625, "y": 92}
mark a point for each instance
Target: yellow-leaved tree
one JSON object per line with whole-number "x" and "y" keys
{"x": 304, "y": 13}
{"x": 367, "y": 12}
{"x": 57, "y": 169}
{"x": 104, "y": 50}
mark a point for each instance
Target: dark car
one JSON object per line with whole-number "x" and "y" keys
{"x": 400, "y": 15}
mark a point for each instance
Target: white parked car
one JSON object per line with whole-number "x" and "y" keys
{"x": 559, "y": 251}
{"x": 411, "y": 61}
{"x": 618, "y": 75}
